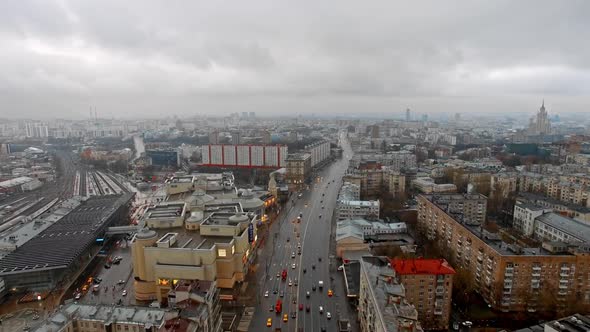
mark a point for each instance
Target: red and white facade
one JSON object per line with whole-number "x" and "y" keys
{"x": 249, "y": 156}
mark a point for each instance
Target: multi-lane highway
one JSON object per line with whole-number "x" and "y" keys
{"x": 315, "y": 263}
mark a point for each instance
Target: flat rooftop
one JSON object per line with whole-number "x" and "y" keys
{"x": 182, "y": 179}
{"x": 63, "y": 242}
{"x": 102, "y": 313}
{"x": 165, "y": 210}
{"x": 567, "y": 225}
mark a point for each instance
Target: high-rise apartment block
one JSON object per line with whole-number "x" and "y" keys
{"x": 508, "y": 275}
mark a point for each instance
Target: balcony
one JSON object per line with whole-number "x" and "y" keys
{"x": 562, "y": 286}
{"x": 562, "y": 293}
{"x": 536, "y": 275}
{"x": 536, "y": 268}
{"x": 564, "y": 275}
{"x": 535, "y": 285}
{"x": 508, "y": 274}
{"x": 440, "y": 291}
{"x": 438, "y": 312}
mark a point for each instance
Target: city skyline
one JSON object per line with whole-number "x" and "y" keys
{"x": 135, "y": 59}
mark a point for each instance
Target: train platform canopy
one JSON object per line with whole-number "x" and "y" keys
{"x": 62, "y": 243}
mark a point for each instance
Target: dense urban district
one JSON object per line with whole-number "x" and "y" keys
{"x": 303, "y": 223}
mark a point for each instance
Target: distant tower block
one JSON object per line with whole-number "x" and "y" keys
{"x": 408, "y": 115}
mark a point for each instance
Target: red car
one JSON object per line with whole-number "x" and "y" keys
{"x": 300, "y": 306}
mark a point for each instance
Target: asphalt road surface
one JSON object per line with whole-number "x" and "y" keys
{"x": 317, "y": 207}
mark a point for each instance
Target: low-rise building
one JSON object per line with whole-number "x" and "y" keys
{"x": 360, "y": 234}
{"x": 180, "y": 184}
{"x": 92, "y": 318}
{"x": 429, "y": 287}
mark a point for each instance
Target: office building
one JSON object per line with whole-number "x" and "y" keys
{"x": 298, "y": 169}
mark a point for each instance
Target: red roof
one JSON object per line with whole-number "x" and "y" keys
{"x": 421, "y": 266}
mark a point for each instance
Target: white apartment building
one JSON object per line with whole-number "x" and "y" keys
{"x": 556, "y": 228}
{"x": 357, "y": 209}
{"x": 524, "y": 216}
{"x": 319, "y": 152}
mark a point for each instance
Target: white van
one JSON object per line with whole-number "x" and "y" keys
{"x": 155, "y": 304}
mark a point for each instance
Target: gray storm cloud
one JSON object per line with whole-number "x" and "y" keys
{"x": 159, "y": 57}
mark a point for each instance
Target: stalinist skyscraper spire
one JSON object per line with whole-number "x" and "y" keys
{"x": 542, "y": 125}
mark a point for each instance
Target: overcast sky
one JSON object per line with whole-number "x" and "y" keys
{"x": 159, "y": 58}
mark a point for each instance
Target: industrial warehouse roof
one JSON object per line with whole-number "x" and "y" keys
{"x": 63, "y": 242}
{"x": 421, "y": 266}
{"x": 15, "y": 182}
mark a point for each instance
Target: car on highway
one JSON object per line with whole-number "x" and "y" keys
{"x": 120, "y": 282}
{"x": 269, "y": 322}
{"x": 290, "y": 283}
{"x": 282, "y": 294}
{"x": 313, "y": 266}
{"x": 293, "y": 314}
{"x": 313, "y": 287}
{"x": 321, "y": 310}
{"x": 295, "y": 282}
{"x": 323, "y": 329}
{"x": 78, "y": 296}
{"x": 320, "y": 216}
{"x": 307, "y": 294}
{"x": 328, "y": 315}
{"x": 293, "y": 254}
{"x": 271, "y": 308}
{"x": 300, "y": 306}
{"x": 293, "y": 265}
{"x": 330, "y": 293}
{"x": 278, "y": 274}
{"x": 307, "y": 308}
{"x": 124, "y": 293}
{"x": 285, "y": 318}
{"x": 266, "y": 294}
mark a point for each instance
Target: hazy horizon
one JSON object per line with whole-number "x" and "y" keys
{"x": 136, "y": 59}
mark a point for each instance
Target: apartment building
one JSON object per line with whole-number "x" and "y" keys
{"x": 524, "y": 216}
{"x": 202, "y": 299}
{"x": 556, "y": 228}
{"x": 298, "y": 169}
{"x": 349, "y": 192}
{"x": 396, "y": 182}
{"x": 357, "y": 209}
{"x": 429, "y": 287}
{"x": 319, "y": 152}
{"x": 508, "y": 276}
{"x": 504, "y": 183}
{"x": 580, "y": 213}
{"x": 382, "y": 305}
{"x": 427, "y": 185}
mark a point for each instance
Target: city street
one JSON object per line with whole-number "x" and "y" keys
{"x": 317, "y": 207}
